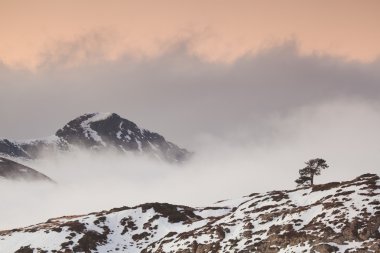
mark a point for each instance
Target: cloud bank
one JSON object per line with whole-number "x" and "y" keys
{"x": 220, "y": 31}
{"x": 343, "y": 132}
{"x": 179, "y": 95}
{"x": 252, "y": 125}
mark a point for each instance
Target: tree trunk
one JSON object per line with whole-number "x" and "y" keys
{"x": 312, "y": 179}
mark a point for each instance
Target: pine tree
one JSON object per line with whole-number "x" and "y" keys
{"x": 313, "y": 168}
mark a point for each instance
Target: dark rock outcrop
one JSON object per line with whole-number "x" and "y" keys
{"x": 99, "y": 131}
{"x": 12, "y": 149}
{"x": 341, "y": 217}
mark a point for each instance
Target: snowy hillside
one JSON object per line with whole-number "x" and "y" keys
{"x": 336, "y": 217}
{"x": 98, "y": 131}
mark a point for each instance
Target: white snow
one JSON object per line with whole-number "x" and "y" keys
{"x": 139, "y": 145}
{"x": 347, "y": 245}
{"x": 261, "y": 211}
{"x": 100, "y": 116}
{"x": 89, "y": 132}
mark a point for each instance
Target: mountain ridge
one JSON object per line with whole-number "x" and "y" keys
{"x": 98, "y": 131}
{"x": 334, "y": 217}
{"x": 15, "y": 171}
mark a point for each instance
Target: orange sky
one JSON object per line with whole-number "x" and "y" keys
{"x": 73, "y": 32}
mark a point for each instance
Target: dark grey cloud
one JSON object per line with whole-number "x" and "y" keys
{"x": 180, "y": 96}
{"x": 252, "y": 124}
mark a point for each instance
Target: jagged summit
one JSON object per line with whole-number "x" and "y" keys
{"x": 342, "y": 217}
{"x": 97, "y": 131}
{"x": 88, "y": 128}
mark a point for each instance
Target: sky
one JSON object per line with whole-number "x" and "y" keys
{"x": 73, "y": 32}
{"x": 254, "y": 88}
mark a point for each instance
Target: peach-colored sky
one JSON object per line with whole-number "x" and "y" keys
{"x": 73, "y": 32}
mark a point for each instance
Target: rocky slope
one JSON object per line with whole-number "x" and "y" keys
{"x": 16, "y": 171}
{"x": 98, "y": 131}
{"x": 334, "y": 217}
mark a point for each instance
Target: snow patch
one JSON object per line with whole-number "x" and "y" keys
{"x": 89, "y": 132}
{"x": 139, "y": 145}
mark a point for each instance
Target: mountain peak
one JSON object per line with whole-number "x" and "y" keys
{"x": 99, "y": 116}
{"x": 99, "y": 131}
{"x": 105, "y": 130}
{"x": 82, "y": 130}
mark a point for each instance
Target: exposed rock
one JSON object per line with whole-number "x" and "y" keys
{"x": 99, "y": 131}
{"x": 324, "y": 248}
{"x": 173, "y": 213}
{"x": 280, "y": 221}
{"x": 11, "y": 149}
{"x": 89, "y": 241}
{"x": 24, "y": 249}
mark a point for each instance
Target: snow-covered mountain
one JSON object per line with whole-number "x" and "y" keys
{"x": 98, "y": 131}
{"x": 335, "y": 217}
{"x": 16, "y": 171}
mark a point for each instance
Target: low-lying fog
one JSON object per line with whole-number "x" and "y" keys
{"x": 344, "y": 133}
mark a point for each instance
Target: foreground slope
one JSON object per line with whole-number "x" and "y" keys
{"x": 334, "y": 217}
{"x": 98, "y": 131}
{"x": 15, "y": 171}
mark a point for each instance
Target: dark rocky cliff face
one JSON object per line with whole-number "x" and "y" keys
{"x": 15, "y": 171}
{"x": 339, "y": 217}
{"x": 100, "y": 131}
{"x": 11, "y": 149}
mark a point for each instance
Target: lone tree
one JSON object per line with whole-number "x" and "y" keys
{"x": 313, "y": 168}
